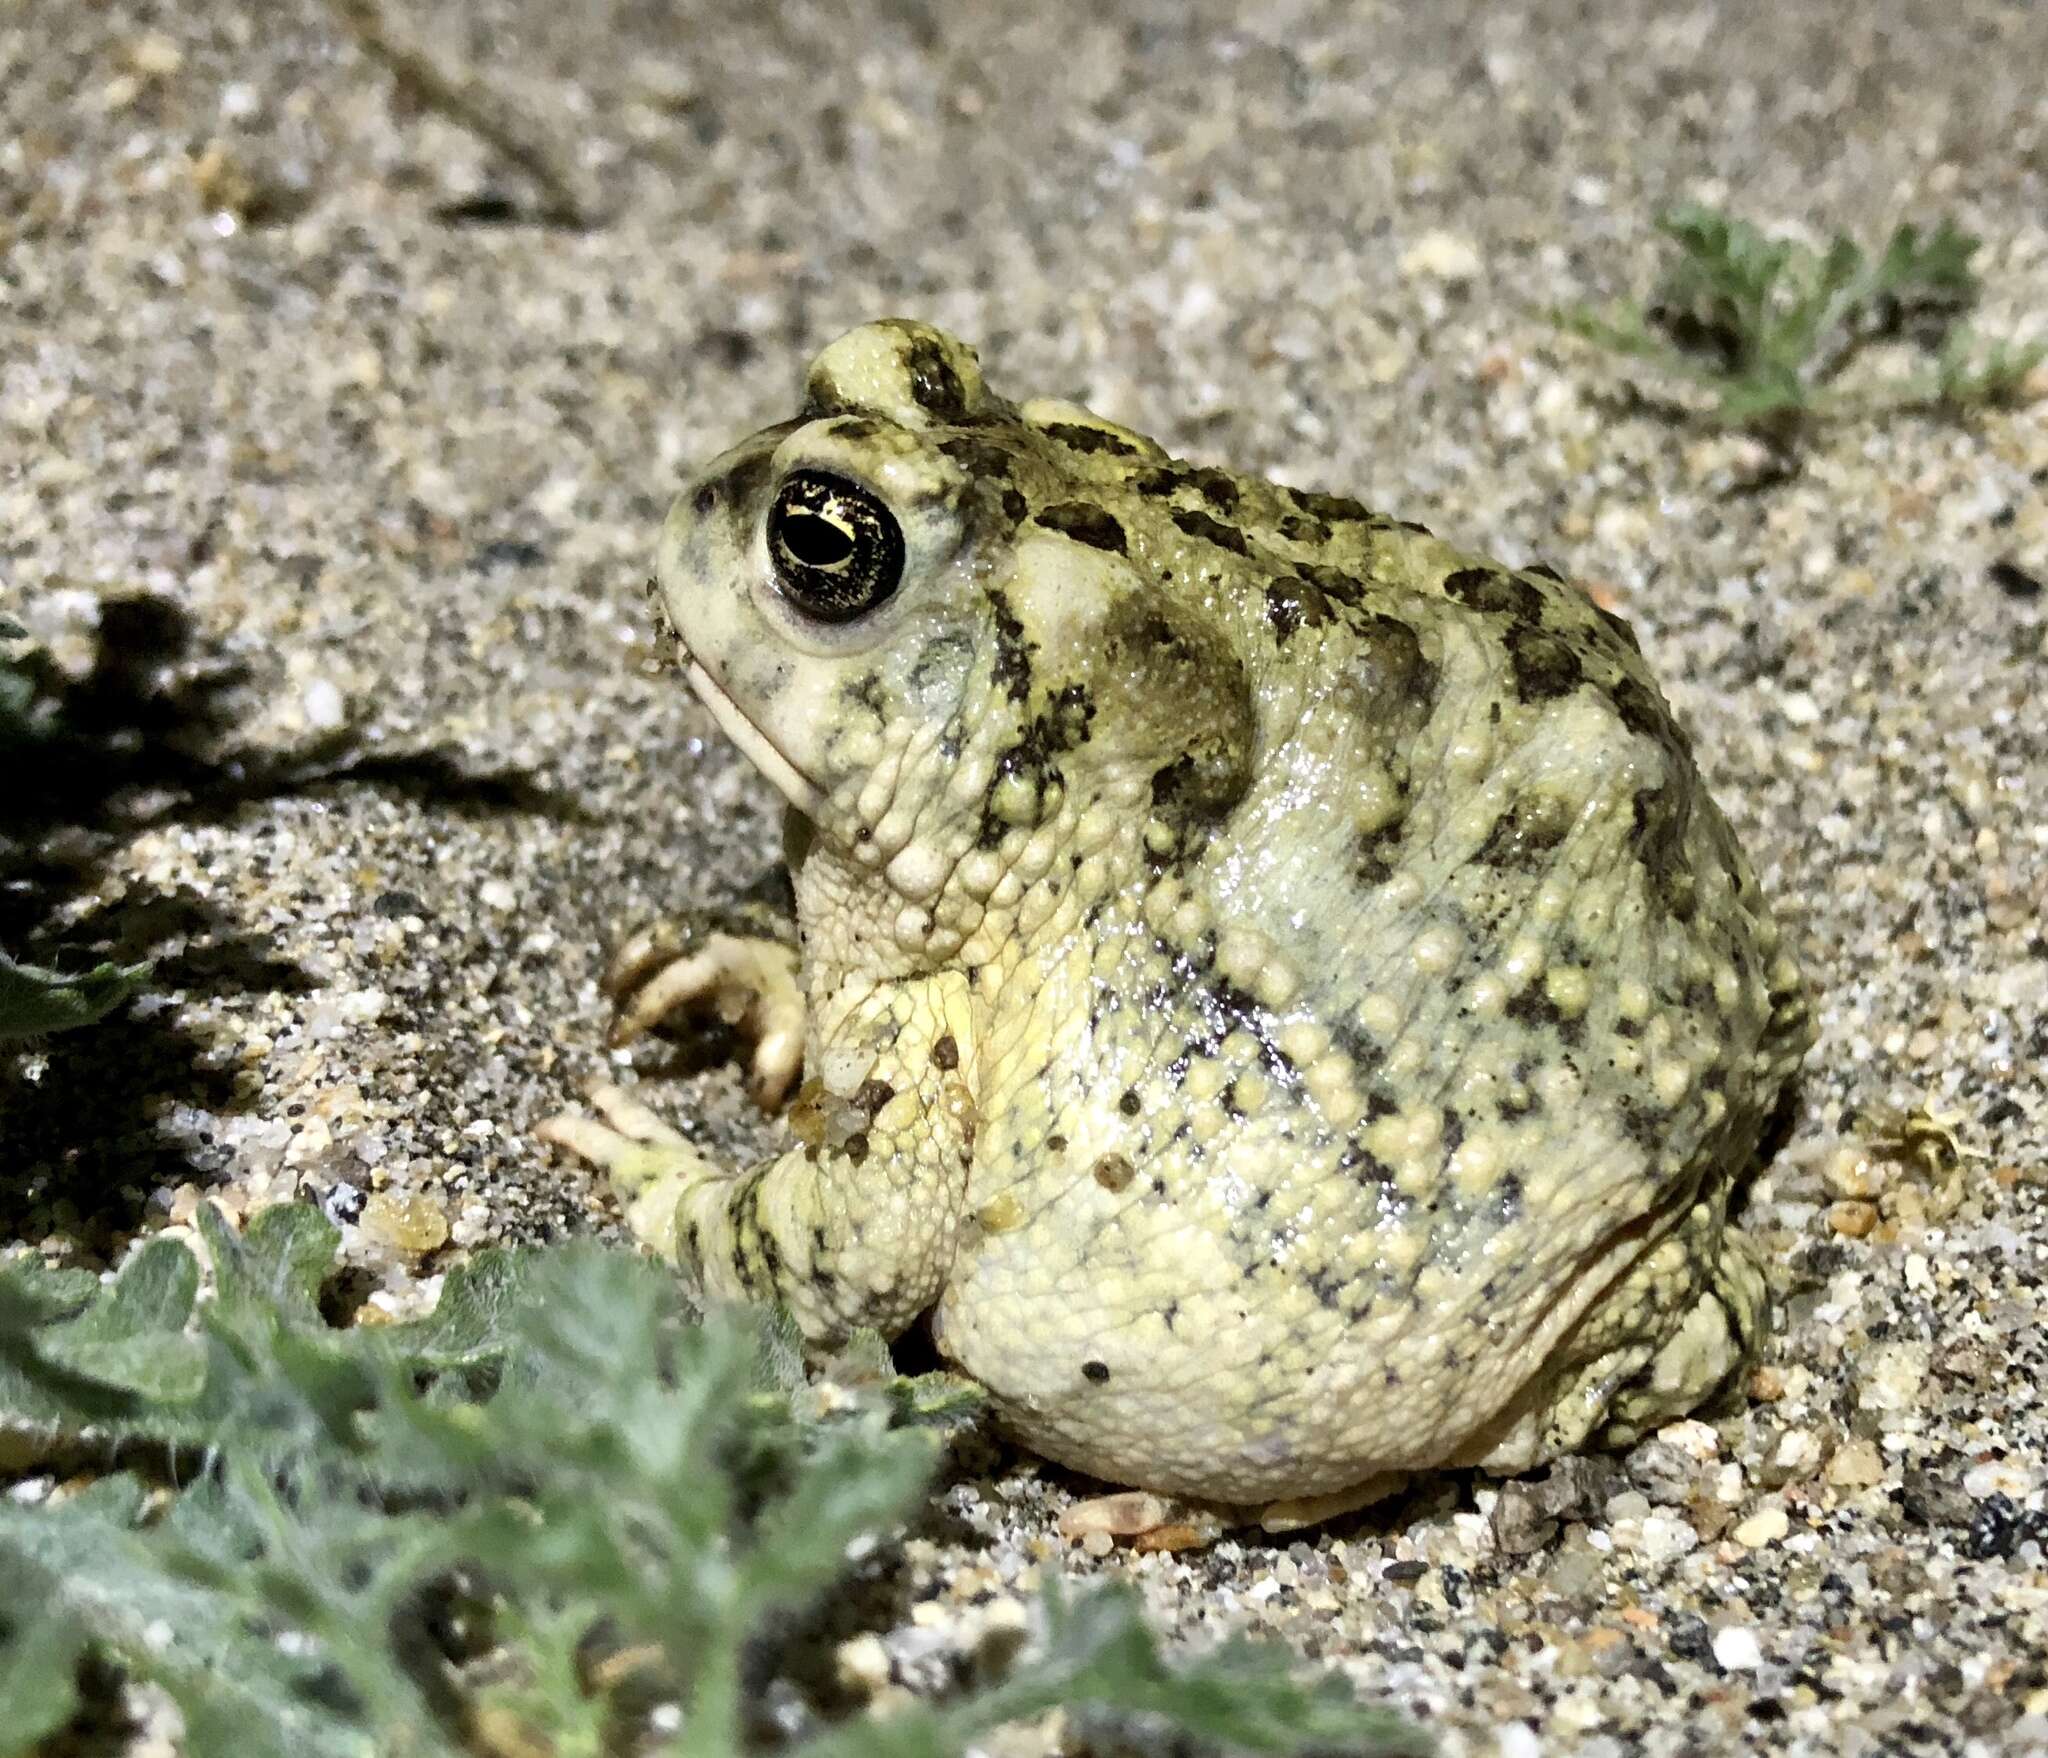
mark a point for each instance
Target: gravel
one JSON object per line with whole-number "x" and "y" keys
{"x": 347, "y": 469}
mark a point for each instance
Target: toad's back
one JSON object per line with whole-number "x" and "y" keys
{"x": 1414, "y": 1070}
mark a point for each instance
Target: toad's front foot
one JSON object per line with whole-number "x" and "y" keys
{"x": 744, "y": 977}
{"x": 651, "y": 1166}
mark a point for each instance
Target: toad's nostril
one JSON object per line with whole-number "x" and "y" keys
{"x": 705, "y": 499}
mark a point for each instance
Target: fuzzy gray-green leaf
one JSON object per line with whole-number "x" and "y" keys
{"x": 134, "y": 1340}
{"x": 627, "y": 1509}
{"x": 34, "y": 1001}
{"x": 1768, "y": 326}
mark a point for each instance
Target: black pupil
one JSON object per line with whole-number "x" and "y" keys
{"x": 835, "y": 546}
{"x": 816, "y": 542}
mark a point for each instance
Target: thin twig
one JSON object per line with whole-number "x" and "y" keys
{"x": 570, "y": 194}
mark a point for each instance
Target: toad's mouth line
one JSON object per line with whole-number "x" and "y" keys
{"x": 755, "y": 744}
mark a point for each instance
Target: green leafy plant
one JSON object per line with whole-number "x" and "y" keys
{"x": 1767, "y": 325}
{"x": 33, "y": 1000}
{"x": 17, "y": 692}
{"x": 559, "y": 1517}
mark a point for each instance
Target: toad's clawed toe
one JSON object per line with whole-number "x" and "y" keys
{"x": 648, "y": 1163}
{"x": 670, "y": 969}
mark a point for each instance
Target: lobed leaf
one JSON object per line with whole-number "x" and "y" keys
{"x": 1768, "y": 325}
{"x": 34, "y": 1001}
{"x": 560, "y": 1516}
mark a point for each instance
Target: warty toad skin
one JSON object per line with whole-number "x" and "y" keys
{"x": 1272, "y": 986}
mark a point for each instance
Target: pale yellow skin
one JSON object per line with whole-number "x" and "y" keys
{"x": 1277, "y": 993}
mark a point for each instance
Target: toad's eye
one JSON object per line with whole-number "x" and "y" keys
{"x": 836, "y": 549}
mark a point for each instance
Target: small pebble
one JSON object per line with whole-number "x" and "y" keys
{"x": 1765, "y": 1526}
{"x": 862, "y": 1664}
{"x": 1738, "y": 1649}
{"x": 1121, "y": 1516}
{"x": 1857, "y": 1464}
{"x": 409, "y": 1223}
{"x": 1440, "y": 256}
{"x": 1852, "y": 1174}
{"x": 325, "y": 708}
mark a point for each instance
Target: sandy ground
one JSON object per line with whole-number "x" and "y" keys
{"x": 348, "y": 471}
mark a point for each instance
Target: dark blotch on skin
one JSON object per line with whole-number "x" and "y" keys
{"x": 1096, "y": 1371}
{"x": 1063, "y": 725}
{"x": 1068, "y": 719}
{"x": 1643, "y": 1125}
{"x": 1494, "y": 590}
{"x": 747, "y": 480}
{"x": 1366, "y": 1168}
{"x": 946, "y": 1054}
{"x": 1523, "y": 836}
{"x": 866, "y": 691}
{"x": 1031, "y": 759}
{"x": 1170, "y": 683}
{"x": 1114, "y": 1173}
{"x": 1638, "y": 709}
{"x": 1129, "y": 1104}
{"x": 1396, "y": 668}
{"x": 1217, "y": 487}
{"x": 1544, "y": 665}
{"x": 1298, "y": 528}
{"x": 941, "y": 657}
{"x": 1210, "y": 530}
{"x": 980, "y": 458}
{"x": 1013, "y": 651}
{"x": 1175, "y": 786}
{"x": 1619, "y": 627}
{"x": 934, "y": 386}
{"x": 1014, "y": 506}
{"x": 1662, "y": 815}
{"x": 1079, "y": 437}
{"x": 1534, "y": 1007}
{"x": 1293, "y": 603}
{"x": 1332, "y": 507}
{"x": 1373, "y": 859}
{"x": 1333, "y": 583}
{"x": 1084, "y": 522}
{"x": 822, "y": 395}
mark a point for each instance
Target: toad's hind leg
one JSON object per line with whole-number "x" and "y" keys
{"x": 1676, "y": 1326}
{"x": 1715, "y": 1337}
